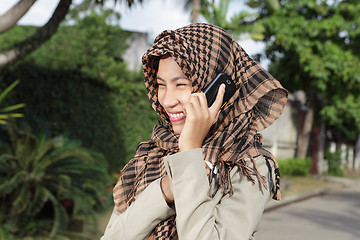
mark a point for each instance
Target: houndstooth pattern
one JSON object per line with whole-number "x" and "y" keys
{"x": 202, "y": 51}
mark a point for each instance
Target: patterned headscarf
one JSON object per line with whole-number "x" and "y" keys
{"x": 202, "y": 51}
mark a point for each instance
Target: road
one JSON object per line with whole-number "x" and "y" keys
{"x": 333, "y": 216}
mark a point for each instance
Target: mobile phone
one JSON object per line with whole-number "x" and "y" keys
{"x": 212, "y": 89}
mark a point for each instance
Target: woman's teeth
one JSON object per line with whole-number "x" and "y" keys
{"x": 174, "y": 115}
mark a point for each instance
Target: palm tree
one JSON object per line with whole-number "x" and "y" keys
{"x": 41, "y": 174}
{"x": 6, "y": 112}
{"x": 215, "y": 13}
{"x": 195, "y": 6}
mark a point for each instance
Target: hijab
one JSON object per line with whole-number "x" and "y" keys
{"x": 203, "y": 51}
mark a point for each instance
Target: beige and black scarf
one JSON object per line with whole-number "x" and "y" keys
{"x": 202, "y": 51}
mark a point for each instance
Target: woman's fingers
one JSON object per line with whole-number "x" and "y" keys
{"x": 215, "y": 107}
{"x": 199, "y": 105}
{"x": 199, "y": 119}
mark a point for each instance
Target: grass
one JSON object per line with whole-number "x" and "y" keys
{"x": 303, "y": 184}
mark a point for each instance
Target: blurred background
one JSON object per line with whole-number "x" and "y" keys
{"x": 73, "y": 106}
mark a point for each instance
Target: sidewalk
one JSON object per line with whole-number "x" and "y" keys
{"x": 338, "y": 182}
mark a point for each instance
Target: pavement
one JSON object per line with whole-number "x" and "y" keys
{"x": 341, "y": 183}
{"x": 326, "y": 214}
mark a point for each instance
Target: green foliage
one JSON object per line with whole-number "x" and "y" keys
{"x": 334, "y": 162}
{"x": 295, "y": 166}
{"x": 80, "y": 87}
{"x": 344, "y": 116}
{"x": 136, "y": 114}
{"x": 69, "y": 103}
{"x": 15, "y": 35}
{"x": 216, "y": 13}
{"x": 96, "y": 50}
{"x": 7, "y": 112}
{"x": 313, "y": 46}
{"x": 39, "y": 176}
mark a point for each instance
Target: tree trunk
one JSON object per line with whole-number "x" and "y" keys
{"x": 195, "y": 11}
{"x": 25, "y": 47}
{"x": 306, "y": 129}
{"x": 321, "y": 150}
{"x": 356, "y": 164}
{"x": 13, "y": 15}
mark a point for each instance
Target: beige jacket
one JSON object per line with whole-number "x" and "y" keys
{"x": 197, "y": 215}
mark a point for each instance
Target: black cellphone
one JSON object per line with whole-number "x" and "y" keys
{"x": 212, "y": 89}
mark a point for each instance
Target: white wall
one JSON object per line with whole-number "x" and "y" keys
{"x": 281, "y": 137}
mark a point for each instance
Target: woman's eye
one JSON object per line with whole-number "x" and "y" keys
{"x": 182, "y": 84}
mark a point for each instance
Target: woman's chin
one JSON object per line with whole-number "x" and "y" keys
{"x": 177, "y": 130}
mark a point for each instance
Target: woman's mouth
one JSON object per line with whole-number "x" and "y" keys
{"x": 176, "y": 117}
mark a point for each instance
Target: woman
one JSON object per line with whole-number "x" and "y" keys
{"x": 203, "y": 174}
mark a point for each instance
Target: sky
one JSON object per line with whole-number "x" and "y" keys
{"x": 153, "y": 16}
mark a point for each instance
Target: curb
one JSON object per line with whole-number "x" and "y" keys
{"x": 271, "y": 205}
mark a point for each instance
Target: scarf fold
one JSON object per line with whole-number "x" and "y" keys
{"x": 202, "y": 51}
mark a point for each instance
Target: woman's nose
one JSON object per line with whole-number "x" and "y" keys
{"x": 170, "y": 99}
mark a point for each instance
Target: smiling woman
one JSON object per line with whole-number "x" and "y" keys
{"x": 174, "y": 90}
{"x": 203, "y": 174}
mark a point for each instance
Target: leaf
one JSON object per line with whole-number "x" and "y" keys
{"x": 7, "y": 90}
{"x": 11, "y": 184}
{"x": 23, "y": 199}
{"x": 13, "y": 107}
{"x": 60, "y": 216}
{"x": 38, "y": 200}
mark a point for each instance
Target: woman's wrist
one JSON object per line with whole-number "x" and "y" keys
{"x": 166, "y": 190}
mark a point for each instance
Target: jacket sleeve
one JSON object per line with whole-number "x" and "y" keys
{"x": 141, "y": 217}
{"x": 222, "y": 217}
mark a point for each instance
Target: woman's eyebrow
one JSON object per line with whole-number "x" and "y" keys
{"x": 173, "y": 79}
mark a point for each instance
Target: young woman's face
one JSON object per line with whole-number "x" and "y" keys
{"x": 174, "y": 90}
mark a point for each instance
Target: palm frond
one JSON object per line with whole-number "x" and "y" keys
{"x": 12, "y": 183}
{"x": 40, "y": 171}
{"x": 60, "y": 215}
{"x": 13, "y": 107}
{"x": 5, "y": 113}
{"x": 38, "y": 200}
{"x": 7, "y": 90}
{"x": 22, "y": 200}
{"x": 44, "y": 147}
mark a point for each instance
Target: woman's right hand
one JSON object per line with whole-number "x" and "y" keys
{"x": 199, "y": 119}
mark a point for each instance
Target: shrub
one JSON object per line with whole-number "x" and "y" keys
{"x": 80, "y": 87}
{"x": 294, "y": 166}
{"x": 44, "y": 182}
{"x": 71, "y": 104}
{"x": 334, "y": 162}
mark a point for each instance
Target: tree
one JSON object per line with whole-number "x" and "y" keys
{"x": 44, "y": 33}
{"x": 11, "y": 17}
{"x": 195, "y": 6}
{"x": 23, "y": 48}
{"x": 93, "y": 97}
{"x": 216, "y": 13}
{"x": 313, "y": 46}
{"x": 240, "y": 23}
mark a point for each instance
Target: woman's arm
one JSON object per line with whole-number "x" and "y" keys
{"x": 222, "y": 217}
{"x": 141, "y": 217}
